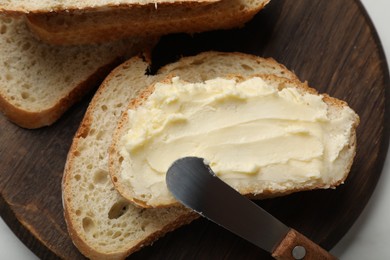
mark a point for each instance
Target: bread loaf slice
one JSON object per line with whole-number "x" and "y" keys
{"x": 264, "y": 135}
{"x": 39, "y": 82}
{"x": 102, "y": 223}
{"x": 45, "y": 6}
{"x": 86, "y": 27}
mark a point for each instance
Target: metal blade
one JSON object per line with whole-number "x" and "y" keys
{"x": 196, "y": 186}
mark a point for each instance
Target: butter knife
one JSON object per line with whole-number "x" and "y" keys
{"x": 194, "y": 184}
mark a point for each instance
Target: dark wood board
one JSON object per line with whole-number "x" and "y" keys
{"x": 332, "y": 44}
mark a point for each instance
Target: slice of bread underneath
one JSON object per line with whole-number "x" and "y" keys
{"x": 263, "y": 134}
{"x": 86, "y": 27}
{"x": 102, "y": 223}
{"x": 39, "y": 82}
{"x": 56, "y": 6}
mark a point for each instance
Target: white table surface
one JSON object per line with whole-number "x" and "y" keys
{"x": 369, "y": 238}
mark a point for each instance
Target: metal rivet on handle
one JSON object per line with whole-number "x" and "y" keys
{"x": 299, "y": 252}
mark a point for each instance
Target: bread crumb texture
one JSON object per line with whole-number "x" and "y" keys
{"x": 100, "y": 221}
{"x": 37, "y": 77}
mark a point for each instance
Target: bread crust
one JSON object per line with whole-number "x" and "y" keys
{"x": 145, "y": 21}
{"x": 115, "y": 157}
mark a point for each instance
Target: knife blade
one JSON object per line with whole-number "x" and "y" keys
{"x": 194, "y": 184}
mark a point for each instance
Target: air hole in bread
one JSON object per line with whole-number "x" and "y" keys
{"x": 6, "y": 19}
{"x": 25, "y": 95}
{"x": 91, "y": 132}
{"x": 117, "y": 234}
{"x": 78, "y": 212}
{"x": 100, "y": 135}
{"x": 247, "y": 67}
{"x": 88, "y": 224}
{"x": 67, "y": 79}
{"x": 77, "y": 177}
{"x": 26, "y": 46}
{"x": 26, "y": 86}
{"x": 3, "y": 29}
{"x": 121, "y": 159}
{"x": 100, "y": 177}
{"x": 8, "y": 77}
{"x": 104, "y": 108}
{"x": 197, "y": 62}
{"x": 91, "y": 186}
{"x": 118, "y": 209}
{"x": 144, "y": 225}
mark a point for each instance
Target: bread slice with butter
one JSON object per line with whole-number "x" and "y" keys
{"x": 39, "y": 82}
{"x": 150, "y": 20}
{"x": 264, "y": 135}
{"x": 102, "y": 224}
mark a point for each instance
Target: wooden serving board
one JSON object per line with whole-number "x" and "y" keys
{"x": 332, "y": 44}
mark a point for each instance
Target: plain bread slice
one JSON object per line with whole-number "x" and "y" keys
{"x": 45, "y": 6}
{"x": 86, "y": 27}
{"x": 39, "y": 82}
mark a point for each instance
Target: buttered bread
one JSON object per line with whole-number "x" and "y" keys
{"x": 264, "y": 135}
{"x": 100, "y": 222}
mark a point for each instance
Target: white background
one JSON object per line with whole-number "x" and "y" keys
{"x": 369, "y": 238}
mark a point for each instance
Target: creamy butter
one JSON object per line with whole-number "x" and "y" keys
{"x": 250, "y": 132}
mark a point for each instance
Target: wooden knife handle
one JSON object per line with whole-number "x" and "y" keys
{"x": 297, "y": 246}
